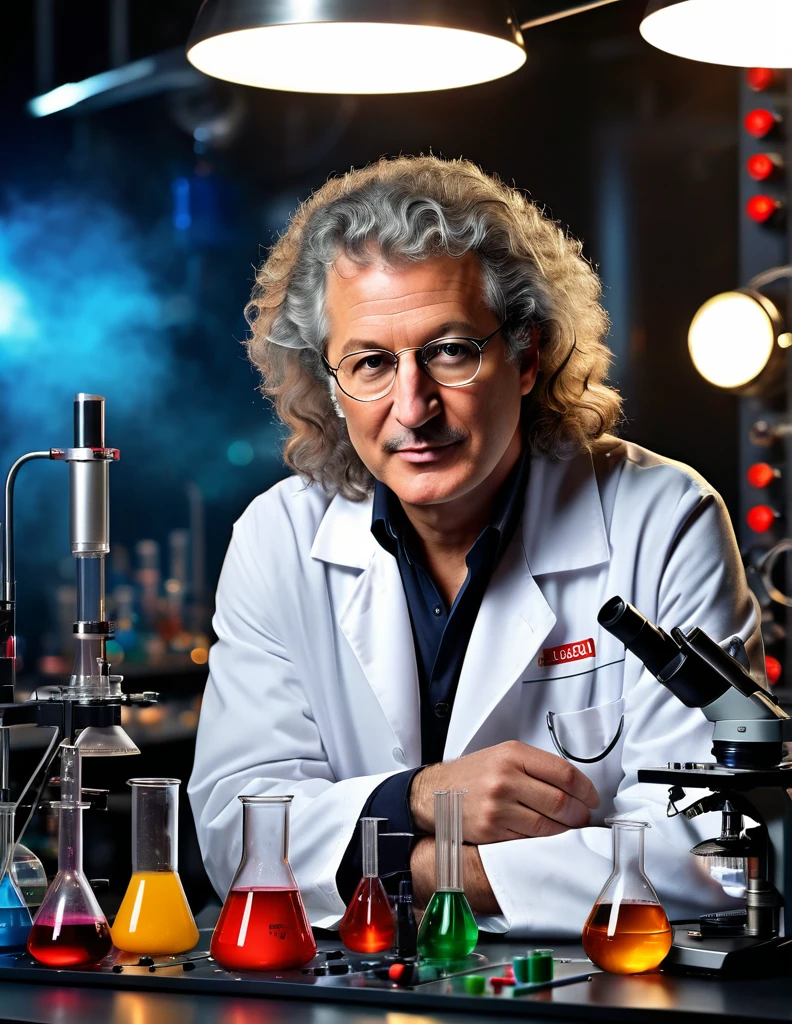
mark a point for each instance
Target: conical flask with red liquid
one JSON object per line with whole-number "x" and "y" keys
{"x": 69, "y": 929}
{"x": 368, "y": 926}
{"x": 263, "y": 925}
{"x": 627, "y": 931}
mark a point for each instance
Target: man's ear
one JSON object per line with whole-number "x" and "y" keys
{"x": 529, "y": 363}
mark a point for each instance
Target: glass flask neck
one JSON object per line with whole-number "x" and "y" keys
{"x": 70, "y": 839}
{"x": 448, "y": 841}
{"x": 155, "y": 824}
{"x": 628, "y": 847}
{"x": 6, "y": 837}
{"x": 265, "y": 844}
{"x": 369, "y": 836}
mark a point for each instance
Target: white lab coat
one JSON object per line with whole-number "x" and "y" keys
{"x": 313, "y": 687}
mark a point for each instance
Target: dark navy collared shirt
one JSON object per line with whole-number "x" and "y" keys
{"x": 441, "y": 637}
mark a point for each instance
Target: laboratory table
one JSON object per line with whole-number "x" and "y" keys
{"x": 207, "y": 995}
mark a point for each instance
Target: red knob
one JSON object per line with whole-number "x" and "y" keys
{"x": 773, "y": 669}
{"x": 762, "y": 208}
{"x": 761, "y": 475}
{"x": 759, "y": 122}
{"x": 760, "y": 518}
{"x": 760, "y": 79}
{"x": 762, "y": 166}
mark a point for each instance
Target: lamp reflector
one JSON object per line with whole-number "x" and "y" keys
{"x": 740, "y": 33}
{"x": 354, "y": 57}
{"x": 105, "y": 741}
{"x": 731, "y": 338}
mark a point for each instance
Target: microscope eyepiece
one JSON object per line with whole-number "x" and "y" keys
{"x": 648, "y": 643}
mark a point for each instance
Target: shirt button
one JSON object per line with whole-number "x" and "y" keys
{"x": 398, "y": 755}
{"x": 442, "y": 710}
{"x": 438, "y": 609}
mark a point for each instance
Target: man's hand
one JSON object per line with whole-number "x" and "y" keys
{"x": 514, "y": 791}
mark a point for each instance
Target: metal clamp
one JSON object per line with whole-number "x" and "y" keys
{"x": 90, "y": 455}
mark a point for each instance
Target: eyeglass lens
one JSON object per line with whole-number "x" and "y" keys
{"x": 369, "y": 374}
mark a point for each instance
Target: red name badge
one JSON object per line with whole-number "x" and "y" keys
{"x": 567, "y": 652}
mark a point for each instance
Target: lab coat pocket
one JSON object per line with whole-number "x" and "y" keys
{"x": 577, "y": 717}
{"x": 592, "y": 740}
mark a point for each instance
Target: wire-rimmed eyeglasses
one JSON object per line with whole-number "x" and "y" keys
{"x": 370, "y": 373}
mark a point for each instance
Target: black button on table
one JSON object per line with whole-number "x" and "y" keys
{"x": 442, "y": 710}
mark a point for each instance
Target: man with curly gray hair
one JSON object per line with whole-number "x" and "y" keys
{"x": 411, "y": 610}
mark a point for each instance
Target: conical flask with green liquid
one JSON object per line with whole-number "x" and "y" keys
{"x": 448, "y": 929}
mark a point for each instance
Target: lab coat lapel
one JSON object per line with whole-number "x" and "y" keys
{"x": 374, "y": 617}
{"x": 563, "y": 530}
{"x": 512, "y": 622}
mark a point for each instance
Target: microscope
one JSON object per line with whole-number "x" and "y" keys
{"x": 748, "y": 783}
{"x": 87, "y": 710}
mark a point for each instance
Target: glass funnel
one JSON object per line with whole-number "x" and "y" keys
{"x": 154, "y": 917}
{"x": 627, "y": 930}
{"x": 69, "y": 929}
{"x": 368, "y": 926}
{"x": 263, "y": 925}
{"x": 14, "y": 915}
{"x": 448, "y": 929}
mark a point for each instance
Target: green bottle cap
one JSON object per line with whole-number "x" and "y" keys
{"x": 520, "y": 966}
{"x": 475, "y": 984}
{"x": 540, "y": 965}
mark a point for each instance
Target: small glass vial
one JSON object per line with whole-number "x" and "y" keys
{"x": 627, "y": 931}
{"x": 154, "y": 917}
{"x": 263, "y": 925}
{"x": 69, "y": 929}
{"x": 368, "y": 926}
{"x": 448, "y": 928}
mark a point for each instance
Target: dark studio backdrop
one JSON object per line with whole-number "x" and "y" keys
{"x": 127, "y": 243}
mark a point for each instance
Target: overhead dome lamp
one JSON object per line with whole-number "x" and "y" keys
{"x": 737, "y": 338}
{"x": 739, "y": 33}
{"x": 356, "y": 46}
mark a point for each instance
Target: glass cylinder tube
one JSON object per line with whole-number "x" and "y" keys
{"x": 627, "y": 931}
{"x": 263, "y": 925}
{"x": 154, "y": 917}
{"x": 69, "y": 929}
{"x": 14, "y": 915}
{"x": 448, "y": 928}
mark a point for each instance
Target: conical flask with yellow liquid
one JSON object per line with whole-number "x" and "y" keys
{"x": 154, "y": 917}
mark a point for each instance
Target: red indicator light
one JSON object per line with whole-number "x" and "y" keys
{"x": 760, "y": 518}
{"x": 759, "y": 122}
{"x": 760, "y": 79}
{"x": 761, "y": 475}
{"x": 761, "y": 208}
{"x": 762, "y": 166}
{"x": 773, "y": 669}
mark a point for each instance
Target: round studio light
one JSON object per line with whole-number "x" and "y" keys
{"x": 762, "y": 166}
{"x": 761, "y": 208}
{"x": 759, "y": 122}
{"x": 741, "y": 33}
{"x": 356, "y": 46}
{"x": 732, "y": 337}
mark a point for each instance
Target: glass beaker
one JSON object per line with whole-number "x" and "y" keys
{"x": 448, "y": 929}
{"x": 29, "y": 874}
{"x": 69, "y": 929}
{"x": 627, "y": 930}
{"x": 14, "y": 914}
{"x": 154, "y": 917}
{"x": 263, "y": 925}
{"x": 368, "y": 926}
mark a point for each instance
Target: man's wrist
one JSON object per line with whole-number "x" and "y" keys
{"x": 422, "y": 800}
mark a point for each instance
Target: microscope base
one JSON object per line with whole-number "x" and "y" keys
{"x": 730, "y": 956}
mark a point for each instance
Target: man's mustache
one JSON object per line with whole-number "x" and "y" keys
{"x": 423, "y": 436}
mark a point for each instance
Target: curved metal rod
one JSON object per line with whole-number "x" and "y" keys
{"x": 7, "y": 568}
{"x": 566, "y": 13}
